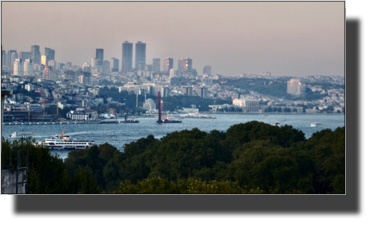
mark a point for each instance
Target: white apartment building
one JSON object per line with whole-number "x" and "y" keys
{"x": 28, "y": 68}
{"x": 18, "y": 67}
{"x": 294, "y": 87}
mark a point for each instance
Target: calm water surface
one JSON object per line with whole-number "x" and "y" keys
{"x": 120, "y": 134}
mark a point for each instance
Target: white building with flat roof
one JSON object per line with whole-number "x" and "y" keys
{"x": 18, "y": 68}
{"x": 295, "y": 87}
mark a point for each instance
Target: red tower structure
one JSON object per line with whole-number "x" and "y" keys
{"x": 166, "y": 120}
{"x": 159, "y": 107}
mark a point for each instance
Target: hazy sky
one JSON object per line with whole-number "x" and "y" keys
{"x": 289, "y": 38}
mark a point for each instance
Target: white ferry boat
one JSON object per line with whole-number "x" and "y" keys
{"x": 315, "y": 124}
{"x": 277, "y": 124}
{"x": 59, "y": 142}
{"x": 197, "y": 116}
{"x": 21, "y": 134}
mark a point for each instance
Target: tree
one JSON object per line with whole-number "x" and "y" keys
{"x": 47, "y": 173}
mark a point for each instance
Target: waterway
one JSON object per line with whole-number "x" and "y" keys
{"x": 120, "y": 134}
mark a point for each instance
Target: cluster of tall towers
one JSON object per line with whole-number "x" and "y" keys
{"x": 98, "y": 64}
{"x": 22, "y": 63}
{"x": 127, "y": 55}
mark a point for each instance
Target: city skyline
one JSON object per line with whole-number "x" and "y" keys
{"x": 291, "y": 38}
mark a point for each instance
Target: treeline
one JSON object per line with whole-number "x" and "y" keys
{"x": 47, "y": 172}
{"x": 249, "y": 158}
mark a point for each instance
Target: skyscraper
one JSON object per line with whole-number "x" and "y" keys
{"x": 68, "y": 66}
{"x": 35, "y": 54}
{"x": 294, "y": 87}
{"x": 14, "y": 56}
{"x": 185, "y": 65}
{"x": 168, "y": 64}
{"x": 100, "y": 55}
{"x": 25, "y": 55}
{"x": 207, "y": 70}
{"x": 28, "y": 67}
{"x": 18, "y": 67}
{"x": 3, "y": 58}
{"x": 114, "y": 65}
{"x": 140, "y": 57}
{"x": 86, "y": 67}
{"x": 127, "y": 55}
{"x": 156, "y": 65}
{"x": 50, "y": 54}
{"x": 9, "y": 56}
{"x": 43, "y": 60}
{"x": 106, "y": 67}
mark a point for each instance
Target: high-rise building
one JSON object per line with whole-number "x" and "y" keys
{"x": 28, "y": 67}
{"x": 202, "y": 92}
{"x": 171, "y": 73}
{"x": 35, "y": 54}
{"x": 50, "y": 54}
{"x": 294, "y": 87}
{"x": 156, "y": 65}
{"x": 25, "y": 55}
{"x": 68, "y": 66}
{"x": 100, "y": 55}
{"x": 18, "y": 67}
{"x": 168, "y": 64}
{"x": 9, "y": 56}
{"x": 3, "y": 58}
{"x": 96, "y": 65}
{"x": 187, "y": 90}
{"x": 114, "y": 65}
{"x": 43, "y": 60}
{"x": 86, "y": 67}
{"x": 127, "y": 55}
{"x": 48, "y": 73}
{"x": 14, "y": 56}
{"x": 185, "y": 64}
{"x": 207, "y": 70}
{"x": 85, "y": 78}
{"x": 140, "y": 56}
{"x": 106, "y": 67}
{"x": 52, "y": 64}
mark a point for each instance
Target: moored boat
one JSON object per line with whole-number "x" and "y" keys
{"x": 21, "y": 134}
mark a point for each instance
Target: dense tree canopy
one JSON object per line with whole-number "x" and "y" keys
{"x": 253, "y": 157}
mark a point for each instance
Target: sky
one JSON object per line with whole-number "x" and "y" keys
{"x": 284, "y": 38}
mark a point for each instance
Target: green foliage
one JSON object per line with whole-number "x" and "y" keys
{"x": 327, "y": 149}
{"x": 284, "y": 136}
{"x": 186, "y": 186}
{"x": 47, "y": 173}
{"x": 95, "y": 158}
{"x": 84, "y": 182}
{"x": 249, "y": 158}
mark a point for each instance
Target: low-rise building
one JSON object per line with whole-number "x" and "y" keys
{"x": 82, "y": 114}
